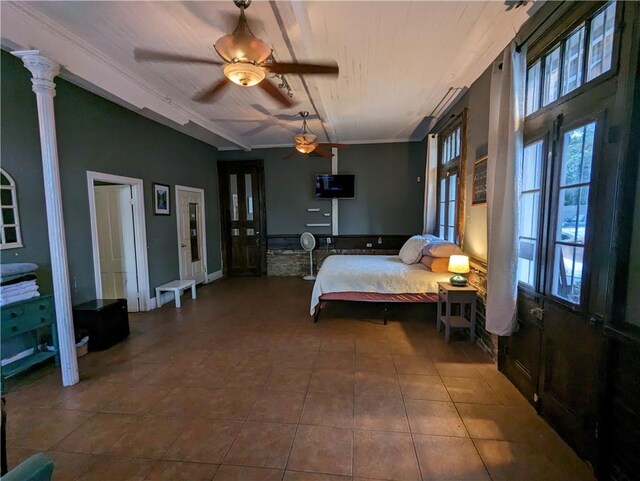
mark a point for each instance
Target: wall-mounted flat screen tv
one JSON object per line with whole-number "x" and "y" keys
{"x": 335, "y": 186}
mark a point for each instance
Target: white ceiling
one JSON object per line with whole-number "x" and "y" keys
{"x": 397, "y": 60}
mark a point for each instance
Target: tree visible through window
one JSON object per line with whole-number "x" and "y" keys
{"x": 10, "y": 226}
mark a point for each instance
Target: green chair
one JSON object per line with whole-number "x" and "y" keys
{"x": 38, "y": 467}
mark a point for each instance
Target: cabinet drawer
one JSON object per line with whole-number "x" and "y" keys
{"x": 25, "y": 317}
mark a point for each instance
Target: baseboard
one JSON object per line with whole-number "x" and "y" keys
{"x": 165, "y": 296}
{"x": 213, "y": 276}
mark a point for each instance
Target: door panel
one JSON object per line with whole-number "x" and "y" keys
{"x": 520, "y": 359}
{"x": 116, "y": 244}
{"x": 572, "y": 352}
{"x": 192, "y": 258}
{"x": 244, "y": 223}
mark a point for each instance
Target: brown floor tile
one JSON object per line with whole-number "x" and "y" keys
{"x": 94, "y": 396}
{"x": 70, "y": 466}
{"x": 247, "y": 378}
{"x": 415, "y": 365}
{"x": 136, "y": 399}
{"x": 204, "y": 441}
{"x": 336, "y": 361}
{"x": 206, "y": 376}
{"x": 335, "y": 344}
{"x": 456, "y": 369}
{"x": 263, "y": 445}
{"x": 429, "y": 388}
{"x": 241, "y": 473}
{"x": 507, "y": 461}
{"x": 377, "y": 384}
{"x": 444, "y": 458}
{"x": 378, "y": 363}
{"x": 277, "y": 407}
{"x": 384, "y": 455}
{"x": 302, "y": 476}
{"x": 42, "y": 393}
{"x": 336, "y": 382}
{"x": 40, "y": 429}
{"x": 16, "y": 455}
{"x": 98, "y": 434}
{"x": 293, "y": 380}
{"x": 150, "y": 437}
{"x": 232, "y": 403}
{"x": 322, "y": 449}
{"x": 127, "y": 372}
{"x": 328, "y": 409}
{"x": 186, "y": 401}
{"x": 434, "y": 417}
{"x": 295, "y": 359}
{"x": 372, "y": 347}
{"x": 381, "y": 414}
{"x": 224, "y": 357}
{"x": 168, "y": 375}
{"x": 181, "y": 471}
{"x": 116, "y": 468}
{"x": 506, "y": 423}
{"x": 470, "y": 390}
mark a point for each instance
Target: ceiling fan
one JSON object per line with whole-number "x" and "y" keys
{"x": 306, "y": 141}
{"x": 246, "y": 59}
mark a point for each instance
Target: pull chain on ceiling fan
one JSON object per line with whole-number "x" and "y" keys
{"x": 246, "y": 62}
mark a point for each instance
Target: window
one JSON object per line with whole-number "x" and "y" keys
{"x": 572, "y": 212}
{"x": 450, "y": 154}
{"x": 10, "y": 226}
{"x": 563, "y": 69}
{"x": 530, "y": 197}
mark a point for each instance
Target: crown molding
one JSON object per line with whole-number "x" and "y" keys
{"x": 85, "y": 61}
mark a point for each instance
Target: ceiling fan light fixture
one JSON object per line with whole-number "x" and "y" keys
{"x": 306, "y": 148}
{"x": 306, "y": 138}
{"x": 244, "y": 74}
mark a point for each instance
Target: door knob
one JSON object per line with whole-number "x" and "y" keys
{"x": 537, "y": 312}
{"x": 184, "y": 246}
{"x": 596, "y": 321}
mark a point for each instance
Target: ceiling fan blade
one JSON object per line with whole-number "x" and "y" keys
{"x": 303, "y": 68}
{"x": 329, "y": 145}
{"x": 270, "y": 88}
{"x": 257, "y": 130}
{"x": 288, "y": 156}
{"x": 209, "y": 94}
{"x": 295, "y": 117}
{"x": 324, "y": 153}
{"x": 144, "y": 55}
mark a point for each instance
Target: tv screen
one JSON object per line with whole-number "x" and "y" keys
{"x": 335, "y": 186}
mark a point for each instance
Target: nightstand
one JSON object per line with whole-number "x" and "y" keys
{"x": 448, "y": 295}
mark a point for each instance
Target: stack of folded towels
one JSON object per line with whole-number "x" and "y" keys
{"x": 18, "y": 282}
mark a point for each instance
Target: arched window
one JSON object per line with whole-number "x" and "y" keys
{"x": 9, "y": 223}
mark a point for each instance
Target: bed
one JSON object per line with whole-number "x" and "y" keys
{"x": 372, "y": 278}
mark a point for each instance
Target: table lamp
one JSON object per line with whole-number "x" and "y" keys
{"x": 458, "y": 265}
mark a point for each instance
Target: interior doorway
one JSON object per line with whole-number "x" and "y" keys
{"x": 119, "y": 239}
{"x": 244, "y": 227}
{"x": 192, "y": 241}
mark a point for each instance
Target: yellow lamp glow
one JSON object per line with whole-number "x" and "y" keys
{"x": 459, "y": 265}
{"x": 244, "y": 74}
{"x": 306, "y": 148}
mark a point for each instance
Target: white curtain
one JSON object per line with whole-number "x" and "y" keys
{"x": 430, "y": 185}
{"x": 505, "y": 150}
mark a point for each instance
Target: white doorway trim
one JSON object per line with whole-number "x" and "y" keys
{"x": 203, "y": 228}
{"x": 139, "y": 226}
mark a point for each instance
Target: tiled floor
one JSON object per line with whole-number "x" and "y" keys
{"x": 241, "y": 385}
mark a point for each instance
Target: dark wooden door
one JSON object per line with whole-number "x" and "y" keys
{"x": 244, "y": 219}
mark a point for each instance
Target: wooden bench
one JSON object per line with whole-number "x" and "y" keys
{"x": 177, "y": 287}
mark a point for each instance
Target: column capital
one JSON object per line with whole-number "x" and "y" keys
{"x": 43, "y": 70}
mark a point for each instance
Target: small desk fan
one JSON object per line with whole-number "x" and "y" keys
{"x": 308, "y": 243}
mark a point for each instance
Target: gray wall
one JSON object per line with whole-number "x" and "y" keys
{"x": 633, "y": 285}
{"x": 98, "y": 135}
{"x": 476, "y": 100}
{"x": 388, "y": 197}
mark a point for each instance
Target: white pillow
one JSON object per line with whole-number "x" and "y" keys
{"x": 411, "y": 251}
{"x": 441, "y": 248}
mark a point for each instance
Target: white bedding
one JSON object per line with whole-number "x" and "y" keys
{"x": 369, "y": 273}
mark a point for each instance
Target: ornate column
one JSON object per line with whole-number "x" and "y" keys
{"x": 43, "y": 71}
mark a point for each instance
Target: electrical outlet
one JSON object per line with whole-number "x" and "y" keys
{"x": 328, "y": 240}
{"x": 379, "y": 240}
{"x": 369, "y": 244}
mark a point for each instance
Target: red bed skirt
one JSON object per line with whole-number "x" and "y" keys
{"x": 378, "y": 297}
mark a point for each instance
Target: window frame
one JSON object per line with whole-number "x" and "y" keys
{"x": 16, "y": 217}
{"x": 583, "y": 17}
{"x": 455, "y": 166}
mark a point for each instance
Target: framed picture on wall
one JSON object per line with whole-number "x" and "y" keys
{"x": 479, "y": 181}
{"x": 161, "y": 199}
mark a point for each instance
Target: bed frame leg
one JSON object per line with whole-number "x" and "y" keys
{"x": 316, "y": 315}
{"x": 384, "y": 314}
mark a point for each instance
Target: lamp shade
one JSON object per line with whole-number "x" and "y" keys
{"x": 459, "y": 264}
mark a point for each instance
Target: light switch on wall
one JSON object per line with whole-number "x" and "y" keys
{"x": 419, "y": 179}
